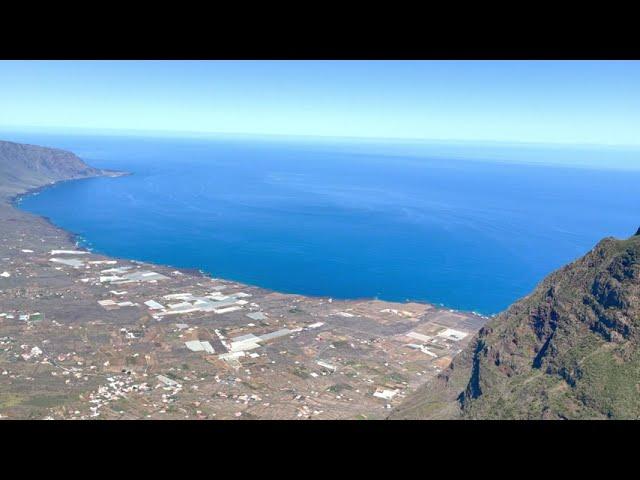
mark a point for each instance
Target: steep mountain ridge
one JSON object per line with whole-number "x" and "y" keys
{"x": 567, "y": 350}
{"x": 23, "y": 167}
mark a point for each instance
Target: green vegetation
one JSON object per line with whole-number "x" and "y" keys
{"x": 47, "y": 401}
{"x": 9, "y": 400}
{"x": 569, "y": 350}
{"x": 339, "y": 387}
{"x": 301, "y": 372}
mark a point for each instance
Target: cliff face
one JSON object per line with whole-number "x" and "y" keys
{"x": 568, "y": 350}
{"x": 23, "y": 167}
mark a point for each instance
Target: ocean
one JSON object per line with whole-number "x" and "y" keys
{"x": 468, "y": 227}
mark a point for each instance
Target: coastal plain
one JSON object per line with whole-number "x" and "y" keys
{"x": 86, "y": 336}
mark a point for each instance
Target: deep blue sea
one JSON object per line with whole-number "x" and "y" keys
{"x": 465, "y": 227}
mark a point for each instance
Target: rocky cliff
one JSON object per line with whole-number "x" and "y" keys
{"x": 568, "y": 350}
{"x": 23, "y": 167}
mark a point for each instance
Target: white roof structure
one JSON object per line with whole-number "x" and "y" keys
{"x": 188, "y": 303}
{"x": 244, "y": 338}
{"x": 206, "y": 346}
{"x": 116, "y": 270}
{"x": 226, "y": 309}
{"x": 244, "y": 342}
{"x": 72, "y": 262}
{"x": 241, "y": 295}
{"x": 385, "y": 394}
{"x": 142, "y": 277}
{"x": 194, "y": 346}
{"x": 231, "y": 358}
{"x": 199, "y": 346}
{"x": 178, "y": 296}
{"x": 419, "y": 336}
{"x": 422, "y": 348}
{"x": 138, "y": 276}
{"x": 279, "y": 333}
{"x": 167, "y": 381}
{"x": 452, "y": 334}
{"x": 153, "y": 305}
{"x": 326, "y": 365}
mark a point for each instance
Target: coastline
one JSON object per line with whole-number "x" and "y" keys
{"x": 82, "y": 343}
{"x": 74, "y": 238}
{"x": 14, "y": 202}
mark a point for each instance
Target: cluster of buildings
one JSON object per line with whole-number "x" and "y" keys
{"x": 216, "y": 349}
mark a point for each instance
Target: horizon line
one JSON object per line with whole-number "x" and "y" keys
{"x": 202, "y": 133}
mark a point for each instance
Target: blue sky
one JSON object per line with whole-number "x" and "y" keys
{"x": 571, "y": 102}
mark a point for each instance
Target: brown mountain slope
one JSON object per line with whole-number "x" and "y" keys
{"x": 568, "y": 350}
{"x": 23, "y": 167}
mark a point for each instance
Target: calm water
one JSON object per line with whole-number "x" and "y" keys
{"x": 341, "y": 220}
